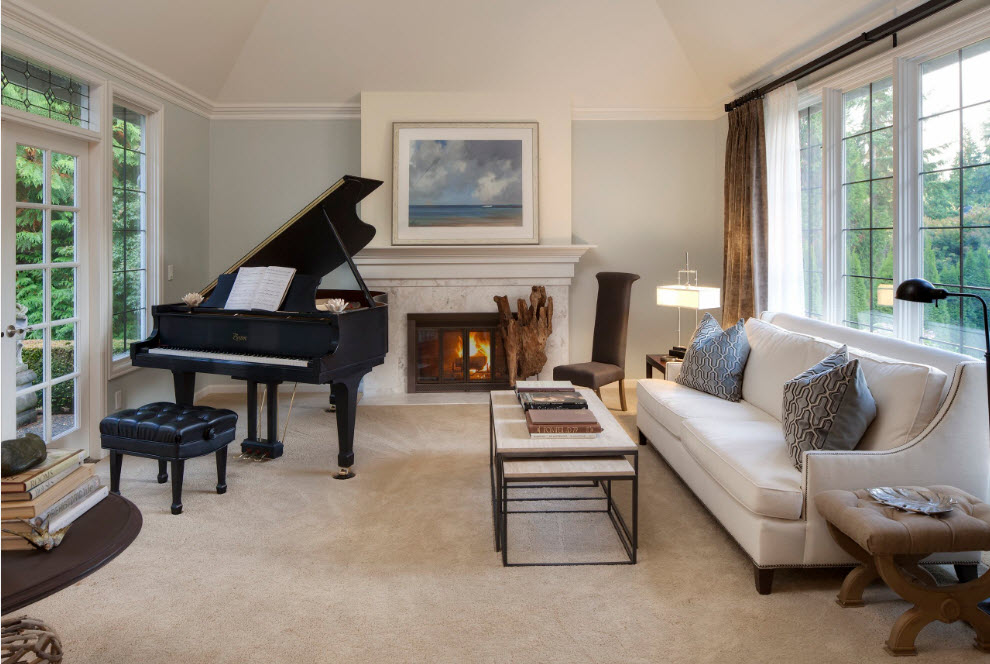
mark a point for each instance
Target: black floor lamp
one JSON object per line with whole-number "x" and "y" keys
{"x": 919, "y": 290}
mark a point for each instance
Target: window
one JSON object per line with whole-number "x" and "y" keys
{"x": 810, "y": 128}
{"x": 954, "y": 180}
{"x": 42, "y": 91}
{"x": 868, "y": 204}
{"x": 130, "y": 229}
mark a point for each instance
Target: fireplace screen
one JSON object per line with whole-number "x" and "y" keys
{"x": 455, "y": 352}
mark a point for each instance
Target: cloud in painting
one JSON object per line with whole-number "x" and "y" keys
{"x": 465, "y": 172}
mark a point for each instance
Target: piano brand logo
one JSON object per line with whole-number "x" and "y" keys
{"x": 239, "y": 337}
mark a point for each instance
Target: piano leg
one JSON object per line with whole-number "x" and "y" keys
{"x": 185, "y": 387}
{"x": 345, "y": 391}
{"x": 272, "y": 447}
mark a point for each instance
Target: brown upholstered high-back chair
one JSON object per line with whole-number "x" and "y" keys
{"x": 608, "y": 349}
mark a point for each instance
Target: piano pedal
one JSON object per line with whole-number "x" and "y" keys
{"x": 344, "y": 473}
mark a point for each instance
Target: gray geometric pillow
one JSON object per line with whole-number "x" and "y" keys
{"x": 828, "y": 407}
{"x": 715, "y": 360}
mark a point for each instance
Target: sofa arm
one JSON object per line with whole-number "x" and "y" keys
{"x": 954, "y": 449}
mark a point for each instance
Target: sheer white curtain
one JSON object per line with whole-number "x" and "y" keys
{"x": 785, "y": 277}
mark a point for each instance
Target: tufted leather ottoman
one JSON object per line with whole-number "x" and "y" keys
{"x": 889, "y": 543}
{"x": 170, "y": 433}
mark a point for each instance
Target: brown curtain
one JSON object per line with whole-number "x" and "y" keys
{"x": 744, "y": 266}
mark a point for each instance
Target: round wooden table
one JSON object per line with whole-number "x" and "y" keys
{"x": 96, "y": 538}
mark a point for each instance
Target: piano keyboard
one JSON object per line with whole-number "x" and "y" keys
{"x": 233, "y": 357}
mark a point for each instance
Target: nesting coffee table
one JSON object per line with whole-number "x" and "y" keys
{"x": 517, "y": 460}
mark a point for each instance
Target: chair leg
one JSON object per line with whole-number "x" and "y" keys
{"x": 178, "y": 466}
{"x": 116, "y": 461}
{"x": 598, "y": 392}
{"x": 162, "y": 471}
{"x": 622, "y": 394}
{"x": 222, "y": 470}
{"x": 967, "y": 573}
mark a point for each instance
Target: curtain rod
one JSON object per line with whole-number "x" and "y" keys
{"x": 888, "y": 29}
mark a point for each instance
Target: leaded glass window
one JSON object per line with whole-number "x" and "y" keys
{"x": 43, "y": 91}
{"x": 130, "y": 229}
{"x": 810, "y": 126}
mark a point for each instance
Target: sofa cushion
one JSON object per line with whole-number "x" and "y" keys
{"x": 715, "y": 360}
{"x": 907, "y": 395}
{"x": 671, "y": 404}
{"x": 749, "y": 460}
{"x": 828, "y": 407}
{"x": 775, "y": 357}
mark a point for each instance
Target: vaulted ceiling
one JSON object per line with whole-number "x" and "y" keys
{"x": 603, "y": 53}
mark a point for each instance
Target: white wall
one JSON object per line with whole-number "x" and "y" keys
{"x": 380, "y": 109}
{"x": 645, "y": 192}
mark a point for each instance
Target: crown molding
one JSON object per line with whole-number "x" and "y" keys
{"x": 52, "y": 32}
{"x": 627, "y": 114}
{"x": 277, "y": 111}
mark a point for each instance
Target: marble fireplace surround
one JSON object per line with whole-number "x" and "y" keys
{"x": 445, "y": 279}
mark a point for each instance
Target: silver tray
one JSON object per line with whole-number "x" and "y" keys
{"x": 909, "y": 499}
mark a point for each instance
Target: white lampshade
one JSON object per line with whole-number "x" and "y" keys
{"x": 689, "y": 297}
{"x": 885, "y": 295}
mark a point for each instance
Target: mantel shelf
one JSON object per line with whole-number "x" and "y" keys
{"x": 493, "y": 262}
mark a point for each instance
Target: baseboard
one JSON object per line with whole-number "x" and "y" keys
{"x": 238, "y": 388}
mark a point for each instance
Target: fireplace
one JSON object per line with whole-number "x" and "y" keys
{"x": 455, "y": 353}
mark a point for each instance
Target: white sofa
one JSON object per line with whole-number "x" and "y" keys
{"x": 931, "y": 428}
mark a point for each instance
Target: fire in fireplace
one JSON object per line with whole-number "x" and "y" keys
{"x": 455, "y": 353}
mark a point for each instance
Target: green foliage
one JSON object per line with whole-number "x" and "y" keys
{"x": 63, "y": 362}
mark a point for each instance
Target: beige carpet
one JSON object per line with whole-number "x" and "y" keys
{"x": 397, "y": 565}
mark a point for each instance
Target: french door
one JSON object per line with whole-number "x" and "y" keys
{"x": 44, "y": 299}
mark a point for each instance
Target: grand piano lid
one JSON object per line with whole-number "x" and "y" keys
{"x": 308, "y": 243}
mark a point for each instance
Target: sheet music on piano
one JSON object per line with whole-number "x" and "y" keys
{"x": 260, "y": 288}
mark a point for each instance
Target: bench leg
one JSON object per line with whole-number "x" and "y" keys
{"x": 116, "y": 461}
{"x": 162, "y": 471}
{"x": 222, "y": 470}
{"x": 178, "y": 466}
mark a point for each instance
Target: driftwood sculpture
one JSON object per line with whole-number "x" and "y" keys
{"x": 524, "y": 335}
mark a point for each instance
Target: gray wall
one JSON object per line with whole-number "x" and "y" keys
{"x": 645, "y": 192}
{"x": 263, "y": 172}
{"x": 185, "y": 235}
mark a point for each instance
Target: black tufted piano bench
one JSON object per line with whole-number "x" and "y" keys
{"x": 169, "y": 433}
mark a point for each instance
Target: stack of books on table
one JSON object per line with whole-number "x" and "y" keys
{"x": 554, "y": 409}
{"x": 58, "y": 491}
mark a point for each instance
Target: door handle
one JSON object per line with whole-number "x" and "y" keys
{"x": 11, "y": 330}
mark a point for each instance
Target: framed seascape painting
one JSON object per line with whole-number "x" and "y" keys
{"x": 465, "y": 183}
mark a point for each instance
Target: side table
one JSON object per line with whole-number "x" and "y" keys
{"x": 659, "y": 361}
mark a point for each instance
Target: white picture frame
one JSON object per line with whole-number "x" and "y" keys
{"x": 465, "y": 183}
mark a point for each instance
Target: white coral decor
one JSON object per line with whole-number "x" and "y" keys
{"x": 336, "y": 304}
{"x": 192, "y": 299}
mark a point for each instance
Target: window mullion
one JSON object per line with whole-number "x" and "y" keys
{"x": 832, "y": 204}
{"x": 908, "y": 240}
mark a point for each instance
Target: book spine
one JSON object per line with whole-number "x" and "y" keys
{"x": 563, "y": 435}
{"x": 68, "y": 516}
{"x": 68, "y": 501}
{"x": 69, "y": 463}
{"x": 40, "y": 489}
{"x": 565, "y": 428}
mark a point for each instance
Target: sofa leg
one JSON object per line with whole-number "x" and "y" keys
{"x": 162, "y": 471}
{"x": 116, "y": 461}
{"x": 967, "y": 573}
{"x": 764, "y": 579}
{"x": 622, "y": 394}
{"x": 178, "y": 466}
{"x": 643, "y": 440}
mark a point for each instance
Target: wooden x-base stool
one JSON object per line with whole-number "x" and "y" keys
{"x": 855, "y": 520}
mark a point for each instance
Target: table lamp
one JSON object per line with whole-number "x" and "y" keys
{"x": 687, "y": 295}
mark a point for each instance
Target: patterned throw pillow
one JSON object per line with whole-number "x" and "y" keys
{"x": 828, "y": 407}
{"x": 715, "y": 360}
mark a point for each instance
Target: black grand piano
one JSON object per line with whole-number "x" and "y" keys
{"x": 298, "y": 343}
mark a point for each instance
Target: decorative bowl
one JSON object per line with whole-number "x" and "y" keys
{"x": 909, "y": 499}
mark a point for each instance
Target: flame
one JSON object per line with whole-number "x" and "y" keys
{"x": 479, "y": 352}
